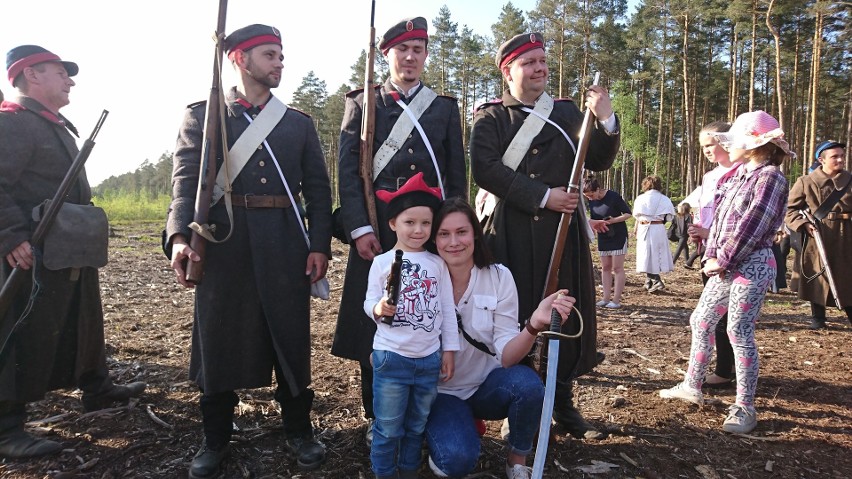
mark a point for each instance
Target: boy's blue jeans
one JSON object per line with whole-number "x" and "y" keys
{"x": 403, "y": 392}
{"x": 515, "y": 393}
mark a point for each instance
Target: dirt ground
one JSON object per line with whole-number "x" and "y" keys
{"x": 804, "y": 394}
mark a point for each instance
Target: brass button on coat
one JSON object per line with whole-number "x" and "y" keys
{"x": 535, "y": 151}
{"x": 413, "y": 167}
{"x": 263, "y": 180}
{"x": 410, "y": 150}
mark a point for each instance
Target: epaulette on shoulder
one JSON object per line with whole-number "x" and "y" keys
{"x": 563, "y": 99}
{"x": 448, "y": 97}
{"x": 357, "y": 91}
{"x": 298, "y": 111}
{"x": 197, "y": 104}
{"x": 486, "y": 104}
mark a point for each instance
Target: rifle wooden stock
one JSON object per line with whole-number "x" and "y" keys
{"x": 551, "y": 285}
{"x": 209, "y": 153}
{"x": 16, "y": 277}
{"x": 368, "y": 128}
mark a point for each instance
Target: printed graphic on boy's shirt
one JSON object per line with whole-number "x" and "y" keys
{"x": 418, "y": 292}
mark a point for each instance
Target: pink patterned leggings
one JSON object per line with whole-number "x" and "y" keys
{"x": 740, "y": 294}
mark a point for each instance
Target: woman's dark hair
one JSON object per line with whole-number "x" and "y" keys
{"x": 652, "y": 182}
{"x": 481, "y": 254}
{"x": 591, "y": 185}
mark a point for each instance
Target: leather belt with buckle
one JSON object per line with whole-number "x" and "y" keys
{"x": 655, "y": 222}
{"x": 833, "y": 215}
{"x": 260, "y": 201}
{"x": 389, "y": 184}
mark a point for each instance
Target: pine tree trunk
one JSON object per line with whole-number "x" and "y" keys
{"x": 687, "y": 112}
{"x": 753, "y": 50}
{"x": 813, "y": 106}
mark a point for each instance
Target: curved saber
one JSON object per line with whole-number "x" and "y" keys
{"x": 554, "y": 336}
{"x": 549, "y": 397}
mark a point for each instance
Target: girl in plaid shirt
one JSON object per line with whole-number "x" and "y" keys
{"x": 739, "y": 261}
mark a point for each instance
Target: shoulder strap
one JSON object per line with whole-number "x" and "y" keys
{"x": 532, "y": 126}
{"x": 246, "y": 145}
{"x": 826, "y": 206}
{"x": 402, "y": 128}
{"x": 473, "y": 342}
{"x": 518, "y": 148}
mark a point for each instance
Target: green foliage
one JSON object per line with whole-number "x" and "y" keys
{"x": 128, "y": 207}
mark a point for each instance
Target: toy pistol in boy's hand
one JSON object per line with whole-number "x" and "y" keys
{"x": 394, "y": 279}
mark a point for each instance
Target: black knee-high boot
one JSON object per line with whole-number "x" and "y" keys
{"x": 217, "y": 414}
{"x": 567, "y": 416}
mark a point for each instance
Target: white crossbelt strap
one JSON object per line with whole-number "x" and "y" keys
{"x": 417, "y": 125}
{"x": 402, "y": 128}
{"x": 246, "y": 145}
{"x": 485, "y": 201}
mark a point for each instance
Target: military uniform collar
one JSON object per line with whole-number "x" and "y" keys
{"x": 28, "y": 103}
{"x": 238, "y": 103}
{"x": 821, "y": 178}
{"x": 510, "y": 100}
{"x": 406, "y": 96}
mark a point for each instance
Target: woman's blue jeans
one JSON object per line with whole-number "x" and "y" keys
{"x": 403, "y": 392}
{"x": 515, "y": 393}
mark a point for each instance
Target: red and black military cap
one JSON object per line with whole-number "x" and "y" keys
{"x": 407, "y": 29}
{"x": 25, "y": 56}
{"x": 515, "y": 46}
{"x": 251, "y": 36}
{"x": 415, "y": 192}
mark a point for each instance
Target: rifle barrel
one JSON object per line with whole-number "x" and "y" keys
{"x": 209, "y": 154}
{"x": 551, "y": 284}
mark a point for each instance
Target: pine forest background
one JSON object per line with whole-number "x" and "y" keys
{"x": 671, "y": 67}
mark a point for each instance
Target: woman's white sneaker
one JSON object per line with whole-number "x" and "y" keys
{"x": 518, "y": 471}
{"x": 684, "y": 393}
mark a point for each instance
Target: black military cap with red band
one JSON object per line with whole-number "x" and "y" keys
{"x": 516, "y": 46}
{"x": 405, "y": 30}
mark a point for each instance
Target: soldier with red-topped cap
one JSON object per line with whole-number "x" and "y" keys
{"x": 416, "y": 131}
{"x": 522, "y": 149}
{"x": 60, "y": 343}
{"x": 252, "y": 310}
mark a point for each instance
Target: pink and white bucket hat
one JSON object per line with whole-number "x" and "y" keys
{"x": 752, "y": 130}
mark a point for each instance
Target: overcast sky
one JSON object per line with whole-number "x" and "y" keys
{"x": 144, "y": 61}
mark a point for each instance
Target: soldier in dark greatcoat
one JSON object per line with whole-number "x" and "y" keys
{"x": 403, "y": 152}
{"x": 60, "y": 343}
{"x": 530, "y": 188}
{"x": 809, "y": 193}
{"x": 252, "y": 310}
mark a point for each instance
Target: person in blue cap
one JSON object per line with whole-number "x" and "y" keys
{"x": 60, "y": 344}
{"x": 827, "y": 188}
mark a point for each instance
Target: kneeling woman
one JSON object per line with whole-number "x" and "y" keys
{"x": 488, "y": 382}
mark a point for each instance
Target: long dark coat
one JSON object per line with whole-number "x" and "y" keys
{"x": 808, "y": 193}
{"x": 252, "y": 309}
{"x": 353, "y": 337}
{"x": 520, "y": 233}
{"x": 61, "y": 344}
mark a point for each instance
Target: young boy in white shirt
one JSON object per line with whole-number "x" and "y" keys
{"x": 417, "y": 346}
